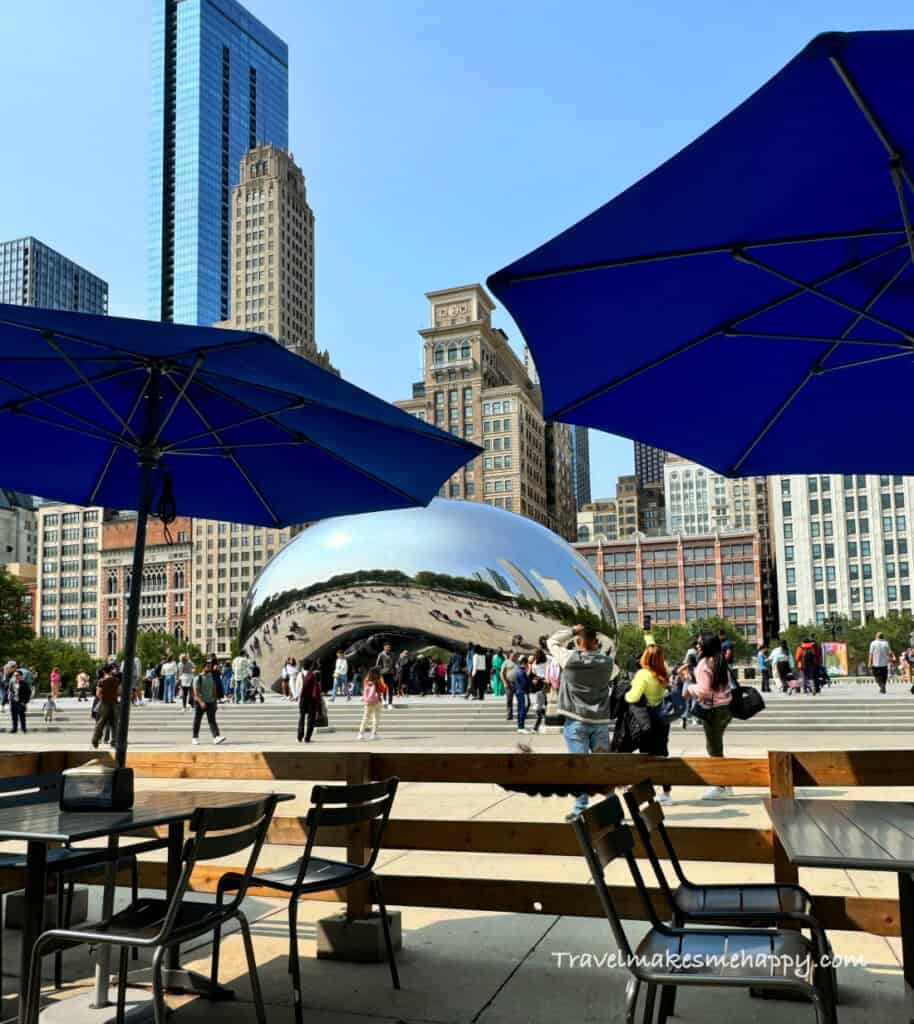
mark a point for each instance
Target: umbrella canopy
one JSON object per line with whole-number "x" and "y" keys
{"x": 749, "y": 303}
{"x": 209, "y": 423}
{"x": 245, "y": 430}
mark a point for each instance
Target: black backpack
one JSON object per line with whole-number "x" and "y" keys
{"x": 809, "y": 661}
{"x": 25, "y": 693}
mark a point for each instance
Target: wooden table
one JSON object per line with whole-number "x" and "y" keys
{"x": 869, "y": 835}
{"x": 42, "y": 824}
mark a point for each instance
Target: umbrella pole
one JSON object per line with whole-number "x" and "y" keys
{"x": 147, "y": 467}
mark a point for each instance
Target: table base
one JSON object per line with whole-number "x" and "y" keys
{"x": 138, "y": 1007}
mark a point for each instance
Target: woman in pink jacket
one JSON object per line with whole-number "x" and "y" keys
{"x": 711, "y": 689}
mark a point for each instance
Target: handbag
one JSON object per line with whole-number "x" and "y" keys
{"x": 745, "y": 702}
{"x": 672, "y": 707}
{"x": 322, "y": 722}
{"x": 700, "y": 711}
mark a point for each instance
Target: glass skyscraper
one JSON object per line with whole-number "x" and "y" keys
{"x": 580, "y": 453}
{"x": 219, "y": 87}
{"x": 34, "y": 274}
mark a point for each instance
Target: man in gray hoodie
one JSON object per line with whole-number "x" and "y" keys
{"x": 588, "y": 670}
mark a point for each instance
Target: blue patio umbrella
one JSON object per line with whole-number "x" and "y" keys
{"x": 750, "y": 303}
{"x": 218, "y": 424}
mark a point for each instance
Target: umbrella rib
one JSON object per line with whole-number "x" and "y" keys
{"x": 198, "y": 362}
{"x": 864, "y": 362}
{"x": 114, "y": 447}
{"x": 430, "y": 432}
{"x": 314, "y": 444}
{"x": 113, "y": 438}
{"x": 100, "y": 398}
{"x": 685, "y": 346}
{"x": 768, "y": 336}
{"x": 897, "y": 169}
{"x": 711, "y": 250}
{"x": 16, "y": 407}
{"x": 817, "y": 368}
{"x": 234, "y": 460}
{"x": 43, "y": 396}
{"x": 292, "y": 406}
{"x": 814, "y": 289}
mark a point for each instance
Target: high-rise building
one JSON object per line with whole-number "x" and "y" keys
{"x": 219, "y": 87}
{"x": 649, "y": 463}
{"x": 581, "y": 463}
{"x": 227, "y": 559}
{"x": 844, "y": 546}
{"x": 34, "y": 274}
{"x": 475, "y": 386}
{"x": 165, "y": 599}
{"x": 66, "y": 600}
{"x": 681, "y": 579}
{"x": 699, "y": 500}
{"x": 272, "y": 285}
{"x": 18, "y": 528}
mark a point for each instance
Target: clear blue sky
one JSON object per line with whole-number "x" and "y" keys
{"x": 440, "y": 140}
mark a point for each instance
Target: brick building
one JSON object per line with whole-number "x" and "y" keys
{"x": 677, "y": 579}
{"x": 165, "y": 601}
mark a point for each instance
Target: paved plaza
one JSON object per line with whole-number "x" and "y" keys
{"x": 844, "y": 716}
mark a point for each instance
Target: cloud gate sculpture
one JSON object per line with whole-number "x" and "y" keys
{"x": 444, "y": 576}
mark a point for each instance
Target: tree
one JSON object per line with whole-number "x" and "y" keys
{"x": 674, "y": 640}
{"x": 629, "y": 646}
{"x": 41, "y": 655}
{"x": 714, "y": 624}
{"x": 15, "y": 618}
{"x": 155, "y": 646}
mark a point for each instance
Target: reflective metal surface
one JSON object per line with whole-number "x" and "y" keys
{"x": 454, "y": 573}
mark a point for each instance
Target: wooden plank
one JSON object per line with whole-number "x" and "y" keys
{"x": 13, "y": 765}
{"x": 853, "y": 768}
{"x": 273, "y": 765}
{"x": 780, "y": 786}
{"x": 609, "y": 769}
{"x": 839, "y": 913}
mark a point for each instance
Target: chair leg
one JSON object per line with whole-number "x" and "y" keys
{"x": 2, "y": 926}
{"x": 252, "y": 968}
{"x": 33, "y": 987}
{"x": 217, "y": 940}
{"x": 385, "y": 924}
{"x": 135, "y": 894}
{"x": 824, "y": 1012}
{"x": 158, "y": 987}
{"x": 122, "y": 985}
{"x": 58, "y": 956}
{"x": 294, "y": 964}
{"x": 649, "y": 1000}
{"x": 631, "y": 999}
{"x": 667, "y": 1003}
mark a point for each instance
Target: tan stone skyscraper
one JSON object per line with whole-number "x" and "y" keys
{"x": 272, "y": 289}
{"x": 475, "y": 386}
{"x": 272, "y": 253}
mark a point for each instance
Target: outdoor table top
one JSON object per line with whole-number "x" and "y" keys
{"x": 46, "y": 822}
{"x": 872, "y": 835}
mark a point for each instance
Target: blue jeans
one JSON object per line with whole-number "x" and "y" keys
{"x": 169, "y": 689}
{"x": 339, "y": 683}
{"x": 585, "y": 738}
{"x": 241, "y": 690}
{"x": 458, "y": 683}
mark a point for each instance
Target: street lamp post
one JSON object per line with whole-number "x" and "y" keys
{"x": 833, "y": 625}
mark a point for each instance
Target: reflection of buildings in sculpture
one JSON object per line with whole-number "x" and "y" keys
{"x": 415, "y": 577}
{"x": 524, "y": 584}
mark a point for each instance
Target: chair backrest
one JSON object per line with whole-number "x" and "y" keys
{"x": 220, "y": 832}
{"x": 365, "y": 804}
{"x": 647, "y": 816}
{"x": 30, "y": 789}
{"x": 604, "y": 837}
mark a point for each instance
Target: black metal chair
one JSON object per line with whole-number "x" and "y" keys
{"x": 747, "y": 905}
{"x": 66, "y": 866}
{"x": 163, "y": 924}
{"x": 668, "y": 956}
{"x": 367, "y": 805}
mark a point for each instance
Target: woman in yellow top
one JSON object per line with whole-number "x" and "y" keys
{"x": 652, "y": 682}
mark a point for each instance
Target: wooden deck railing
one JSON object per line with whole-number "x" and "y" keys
{"x": 779, "y": 774}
